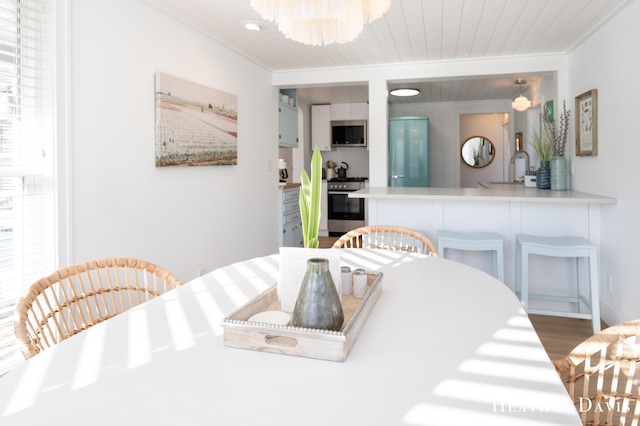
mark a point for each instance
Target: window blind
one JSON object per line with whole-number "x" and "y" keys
{"x": 27, "y": 211}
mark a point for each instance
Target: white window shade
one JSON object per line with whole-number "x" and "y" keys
{"x": 27, "y": 211}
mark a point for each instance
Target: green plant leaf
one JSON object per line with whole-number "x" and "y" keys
{"x": 305, "y": 197}
{"x": 310, "y": 198}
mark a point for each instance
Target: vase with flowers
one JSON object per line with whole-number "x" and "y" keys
{"x": 542, "y": 146}
{"x": 558, "y": 138}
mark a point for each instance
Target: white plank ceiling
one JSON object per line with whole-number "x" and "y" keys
{"x": 411, "y": 31}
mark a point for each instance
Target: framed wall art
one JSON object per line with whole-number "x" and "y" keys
{"x": 587, "y": 123}
{"x": 195, "y": 125}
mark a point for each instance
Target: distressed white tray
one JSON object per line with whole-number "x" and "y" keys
{"x": 239, "y": 332}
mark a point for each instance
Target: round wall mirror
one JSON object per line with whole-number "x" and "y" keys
{"x": 477, "y": 151}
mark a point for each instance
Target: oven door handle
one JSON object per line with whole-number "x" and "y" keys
{"x": 339, "y": 192}
{"x": 397, "y": 177}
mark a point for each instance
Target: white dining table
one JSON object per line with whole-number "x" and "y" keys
{"x": 445, "y": 344}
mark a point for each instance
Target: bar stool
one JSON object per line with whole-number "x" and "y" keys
{"x": 578, "y": 247}
{"x": 475, "y": 241}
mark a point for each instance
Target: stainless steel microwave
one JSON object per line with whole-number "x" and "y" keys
{"x": 349, "y": 133}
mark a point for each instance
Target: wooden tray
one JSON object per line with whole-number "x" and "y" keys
{"x": 239, "y": 332}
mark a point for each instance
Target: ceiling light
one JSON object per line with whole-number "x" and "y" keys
{"x": 321, "y": 22}
{"x": 405, "y": 92}
{"x": 520, "y": 103}
{"x": 252, "y": 26}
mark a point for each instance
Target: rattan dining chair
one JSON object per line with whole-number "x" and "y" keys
{"x": 602, "y": 377}
{"x": 77, "y": 297}
{"x": 387, "y": 237}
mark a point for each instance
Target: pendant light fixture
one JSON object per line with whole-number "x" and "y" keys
{"x": 321, "y": 22}
{"x": 521, "y": 103}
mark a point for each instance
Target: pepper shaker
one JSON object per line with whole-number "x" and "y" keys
{"x": 346, "y": 285}
{"x": 359, "y": 283}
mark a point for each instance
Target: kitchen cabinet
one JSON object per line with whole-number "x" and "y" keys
{"x": 288, "y": 118}
{"x": 290, "y": 221}
{"x": 353, "y": 111}
{"x": 321, "y": 127}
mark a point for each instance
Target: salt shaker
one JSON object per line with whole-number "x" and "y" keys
{"x": 359, "y": 283}
{"x": 345, "y": 280}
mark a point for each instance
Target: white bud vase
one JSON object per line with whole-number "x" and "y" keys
{"x": 558, "y": 173}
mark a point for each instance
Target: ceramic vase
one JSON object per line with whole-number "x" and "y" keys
{"x": 318, "y": 304}
{"x": 543, "y": 175}
{"x": 558, "y": 173}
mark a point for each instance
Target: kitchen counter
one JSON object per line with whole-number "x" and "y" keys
{"x": 506, "y": 208}
{"x": 288, "y": 185}
{"x": 487, "y": 192}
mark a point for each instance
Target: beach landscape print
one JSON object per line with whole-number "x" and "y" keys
{"x": 195, "y": 125}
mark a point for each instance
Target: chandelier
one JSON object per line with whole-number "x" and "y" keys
{"x": 321, "y": 22}
{"x": 521, "y": 103}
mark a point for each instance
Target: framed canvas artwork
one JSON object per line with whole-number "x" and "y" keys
{"x": 195, "y": 125}
{"x": 587, "y": 123}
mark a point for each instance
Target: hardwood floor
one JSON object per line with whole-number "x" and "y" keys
{"x": 326, "y": 242}
{"x": 558, "y": 335}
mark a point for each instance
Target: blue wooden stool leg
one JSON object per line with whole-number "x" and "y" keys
{"x": 522, "y": 276}
{"x": 499, "y": 254}
{"x": 595, "y": 291}
{"x": 582, "y": 279}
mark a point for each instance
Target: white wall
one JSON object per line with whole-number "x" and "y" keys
{"x": 444, "y": 133}
{"x": 490, "y": 127}
{"x": 605, "y": 62}
{"x": 182, "y": 218}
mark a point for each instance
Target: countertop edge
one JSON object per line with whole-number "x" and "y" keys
{"x": 517, "y": 194}
{"x": 288, "y": 185}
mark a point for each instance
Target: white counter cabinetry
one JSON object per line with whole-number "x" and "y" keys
{"x": 354, "y": 111}
{"x": 323, "y": 115}
{"x": 505, "y": 209}
{"x": 288, "y": 119}
{"x": 290, "y": 222}
{"x": 321, "y": 127}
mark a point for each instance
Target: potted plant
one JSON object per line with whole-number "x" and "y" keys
{"x": 542, "y": 146}
{"x": 318, "y": 304}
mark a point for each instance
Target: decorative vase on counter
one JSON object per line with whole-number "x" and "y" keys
{"x": 558, "y": 173}
{"x": 543, "y": 175}
{"x": 318, "y": 304}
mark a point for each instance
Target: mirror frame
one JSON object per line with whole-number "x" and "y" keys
{"x": 492, "y": 152}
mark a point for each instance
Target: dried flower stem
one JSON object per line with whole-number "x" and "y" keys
{"x": 558, "y": 137}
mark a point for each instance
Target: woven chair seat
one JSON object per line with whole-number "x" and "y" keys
{"x": 602, "y": 376}
{"x": 387, "y": 237}
{"x": 80, "y": 296}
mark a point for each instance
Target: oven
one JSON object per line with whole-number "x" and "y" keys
{"x": 344, "y": 213}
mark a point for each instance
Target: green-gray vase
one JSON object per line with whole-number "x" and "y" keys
{"x": 558, "y": 173}
{"x": 318, "y": 304}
